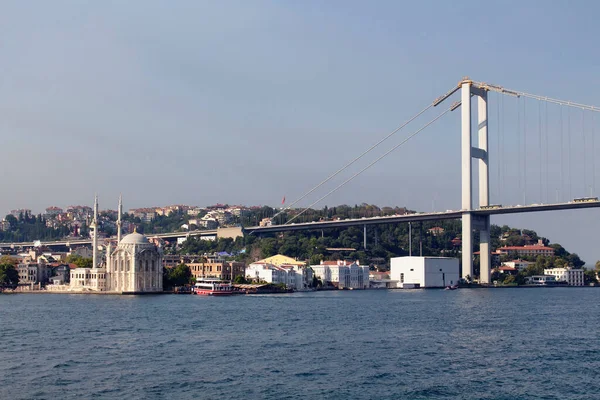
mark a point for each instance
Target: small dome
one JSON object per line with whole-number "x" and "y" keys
{"x": 134, "y": 238}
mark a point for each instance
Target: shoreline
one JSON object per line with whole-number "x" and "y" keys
{"x": 242, "y": 293}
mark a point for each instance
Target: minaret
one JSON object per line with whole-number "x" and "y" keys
{"x": 94, "y": 225}
{"x": 119, "y": 223}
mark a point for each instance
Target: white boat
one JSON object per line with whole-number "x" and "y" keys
{"x": 212, "y": 288}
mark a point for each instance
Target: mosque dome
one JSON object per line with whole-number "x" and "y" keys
{"x": 134, "y": 238}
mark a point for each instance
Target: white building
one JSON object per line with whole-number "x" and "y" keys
{"x": 574, "y": 277}
{"x": 275, "y": 274}
{"x": 517, "y": 264}
{"x": 342, "y": 274}
{"x": 88, "y": 279}
{"x": 135, "y": 266}
{"x": 424, "y": 272}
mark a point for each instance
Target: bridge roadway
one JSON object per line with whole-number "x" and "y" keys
{"x": 68, "y": 242}
{"x": 318, "y": 225}
{"x": 433, "y": 216}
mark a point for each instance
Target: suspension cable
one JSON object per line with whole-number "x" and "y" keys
{"x": 373, "y": 163}
{"x": 356, "y": 159}
{"x": 517, "y": 93}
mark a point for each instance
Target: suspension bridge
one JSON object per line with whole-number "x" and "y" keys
{"x": 534, "y": 132}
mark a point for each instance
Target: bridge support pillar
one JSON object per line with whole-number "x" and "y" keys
{"x": 365, "y": 236}
{"x": 485, "y": 259}
{"x": 467, "y": 245}
{"x": 468, "y": 152}
{"x": 484, "y": 187}
{"x": 466, "y": 181}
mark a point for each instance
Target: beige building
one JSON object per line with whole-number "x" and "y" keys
{"x": 215, "y": 268}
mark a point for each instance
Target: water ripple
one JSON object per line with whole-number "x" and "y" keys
{"x": 465, "y": 344}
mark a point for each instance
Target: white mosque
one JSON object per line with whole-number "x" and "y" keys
{"x": 134, "y": 266}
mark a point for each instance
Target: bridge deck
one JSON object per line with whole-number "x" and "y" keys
{"x": 391, "y": 219}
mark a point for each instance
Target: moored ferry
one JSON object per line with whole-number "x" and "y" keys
{"x": 213, "y": 288}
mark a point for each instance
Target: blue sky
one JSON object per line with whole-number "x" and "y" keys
{"x": 246, "y": 102}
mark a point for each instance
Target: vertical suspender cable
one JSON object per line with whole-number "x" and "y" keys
{"x": 562, "y": 150}
{"x": 524, "y": 151}
{"x": 503, "y": 141}
{"x": 593, "y": 155}
{"x": 584, "y": 151}
{"x": 540, "y": 145}
{"x": 519, "y": 142}
{"x": 570, "y": 164}
{"x": 547, "y": 163}
{"x": 498, "y": 148}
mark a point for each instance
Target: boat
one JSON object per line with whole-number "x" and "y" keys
{"x": 213, "y": 288}
{"x": 451, "y": 287}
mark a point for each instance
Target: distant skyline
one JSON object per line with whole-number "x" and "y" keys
{"x": 242, "y": 102}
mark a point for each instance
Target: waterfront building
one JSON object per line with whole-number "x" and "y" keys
{"x": 303, "y": 275}
{"x": 215, "y": 267}
{"x": 134, "y": 266}
{"x": 275, "y": 274}
{"x": 88, "y": 279}
{"x": 61, "y": 273}
{"x": 424, "y": 272}
{"x": 342, "y": 274}
{"x": 542, "y": 280}
{"x": 33, "y": 273}
{"x": 574, "y": 277}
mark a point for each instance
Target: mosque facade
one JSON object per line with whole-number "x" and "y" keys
{"x": 134, "y": 266}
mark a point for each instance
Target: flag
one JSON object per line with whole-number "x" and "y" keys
{"x": 283, "y": 201}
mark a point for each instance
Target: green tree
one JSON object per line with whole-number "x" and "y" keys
{"x": 9, "y": 276}
{"x": 240, "y": 280}
{"x": 590, "y": 276}
{"x": 179, "y": 276}
{"x": 81, "y": 262}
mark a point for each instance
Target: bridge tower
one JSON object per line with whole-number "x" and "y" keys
{"x": 468, "y": 152}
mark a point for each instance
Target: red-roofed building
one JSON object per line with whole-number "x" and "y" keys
{"x": 528, "y": 250}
